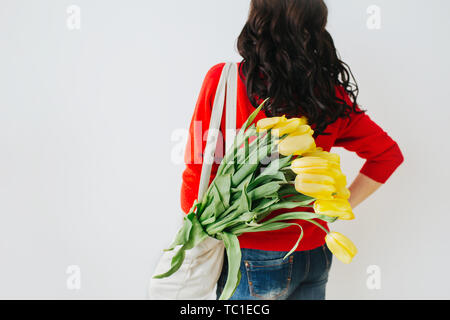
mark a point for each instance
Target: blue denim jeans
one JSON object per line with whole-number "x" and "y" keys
{"x": 266, "y": 276}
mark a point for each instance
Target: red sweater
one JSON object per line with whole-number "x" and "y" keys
{"x": 358, "y": 134}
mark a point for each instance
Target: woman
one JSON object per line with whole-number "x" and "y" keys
{"x": 289, "y": 56}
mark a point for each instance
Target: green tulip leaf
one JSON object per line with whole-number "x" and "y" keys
{"x": 264, "y": 191}
{"x": 176, "y": 263}
{"x": 183, "y": 234}
{"x": 263, "y": 179}
{"x": 234, "y": 256}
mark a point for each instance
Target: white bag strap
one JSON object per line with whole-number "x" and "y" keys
{"x": 231, "y": 106}
{"x": 227, "y": 79}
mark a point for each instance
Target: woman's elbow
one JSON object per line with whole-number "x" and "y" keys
{"x": 399, "y": 157}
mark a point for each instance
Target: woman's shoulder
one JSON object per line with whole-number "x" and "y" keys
{"x": 212, "y": 77}
{"x": 215, "y": 71}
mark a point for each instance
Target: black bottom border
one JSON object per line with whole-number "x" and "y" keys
{"x": 174, "y": 310}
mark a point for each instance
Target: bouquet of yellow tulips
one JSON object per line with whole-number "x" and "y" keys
{"x": 280, "y": 169}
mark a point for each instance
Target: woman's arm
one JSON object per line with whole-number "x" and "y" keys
{"x": 360, "y": 134}
{"x": 197, "y": 138}
{"x": 361, "y": 188}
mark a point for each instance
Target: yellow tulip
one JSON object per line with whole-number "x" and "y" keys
{"x": 342, "y": 193}
{"x": 341, "y": 187}
{"x": 317, "y": 166}
{"x": 332, "y": 172}
{"x": 269, "y": 123}
{"x": 310, "y": 162}
{"x": 286, "y": 127}
{"x": 341, "y": 246}
{"x": 320, "y": 165}
{"x": 339, "y": 208}
{"x": 341, "y": 180}
{"x": 316, "y": 178}
{"x": 296, "y": 145}
{"x": 315, "y": 187}
{"x": 334, "y": 158}
{"x": 325, "y": 154}
{"x": 303, "y": 129}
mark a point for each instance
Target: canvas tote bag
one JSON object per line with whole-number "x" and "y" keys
{"x": 197, "y": 278}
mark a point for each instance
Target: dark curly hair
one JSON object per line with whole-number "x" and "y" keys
{"x": 289, "y": 56}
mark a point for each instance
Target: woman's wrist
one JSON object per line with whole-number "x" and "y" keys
{"x": 362, "y": 188}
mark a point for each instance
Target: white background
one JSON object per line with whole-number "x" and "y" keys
{"x": 87, "y": 171}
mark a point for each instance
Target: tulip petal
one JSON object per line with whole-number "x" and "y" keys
{"x": 339, "y": 208}
{"x": 303, "y": 120}
{"x": 315, "y": 190}
{"x": 318, "y": 170}
{"x": 296, "y": 145}
{"x": 333, "y": 157}
{"x": 348, "y": 216}
{"x": 286, "y": 127}
{"x": 269, "y": 123}
{"x": 341, "y": 180}
{"x": 316, "y": 178}
{"x": 346, "y": 242}
{"x": 342, "y": 193}
{"x": 303, "y": 129}
{"x": 342, "y": 247}
{"x": 308, "y": 162}
{"x": 338, "y": 251}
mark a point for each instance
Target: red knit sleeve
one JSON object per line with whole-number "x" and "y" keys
{"x": 197, "y": 139}
{"x": 362, "y": 135}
